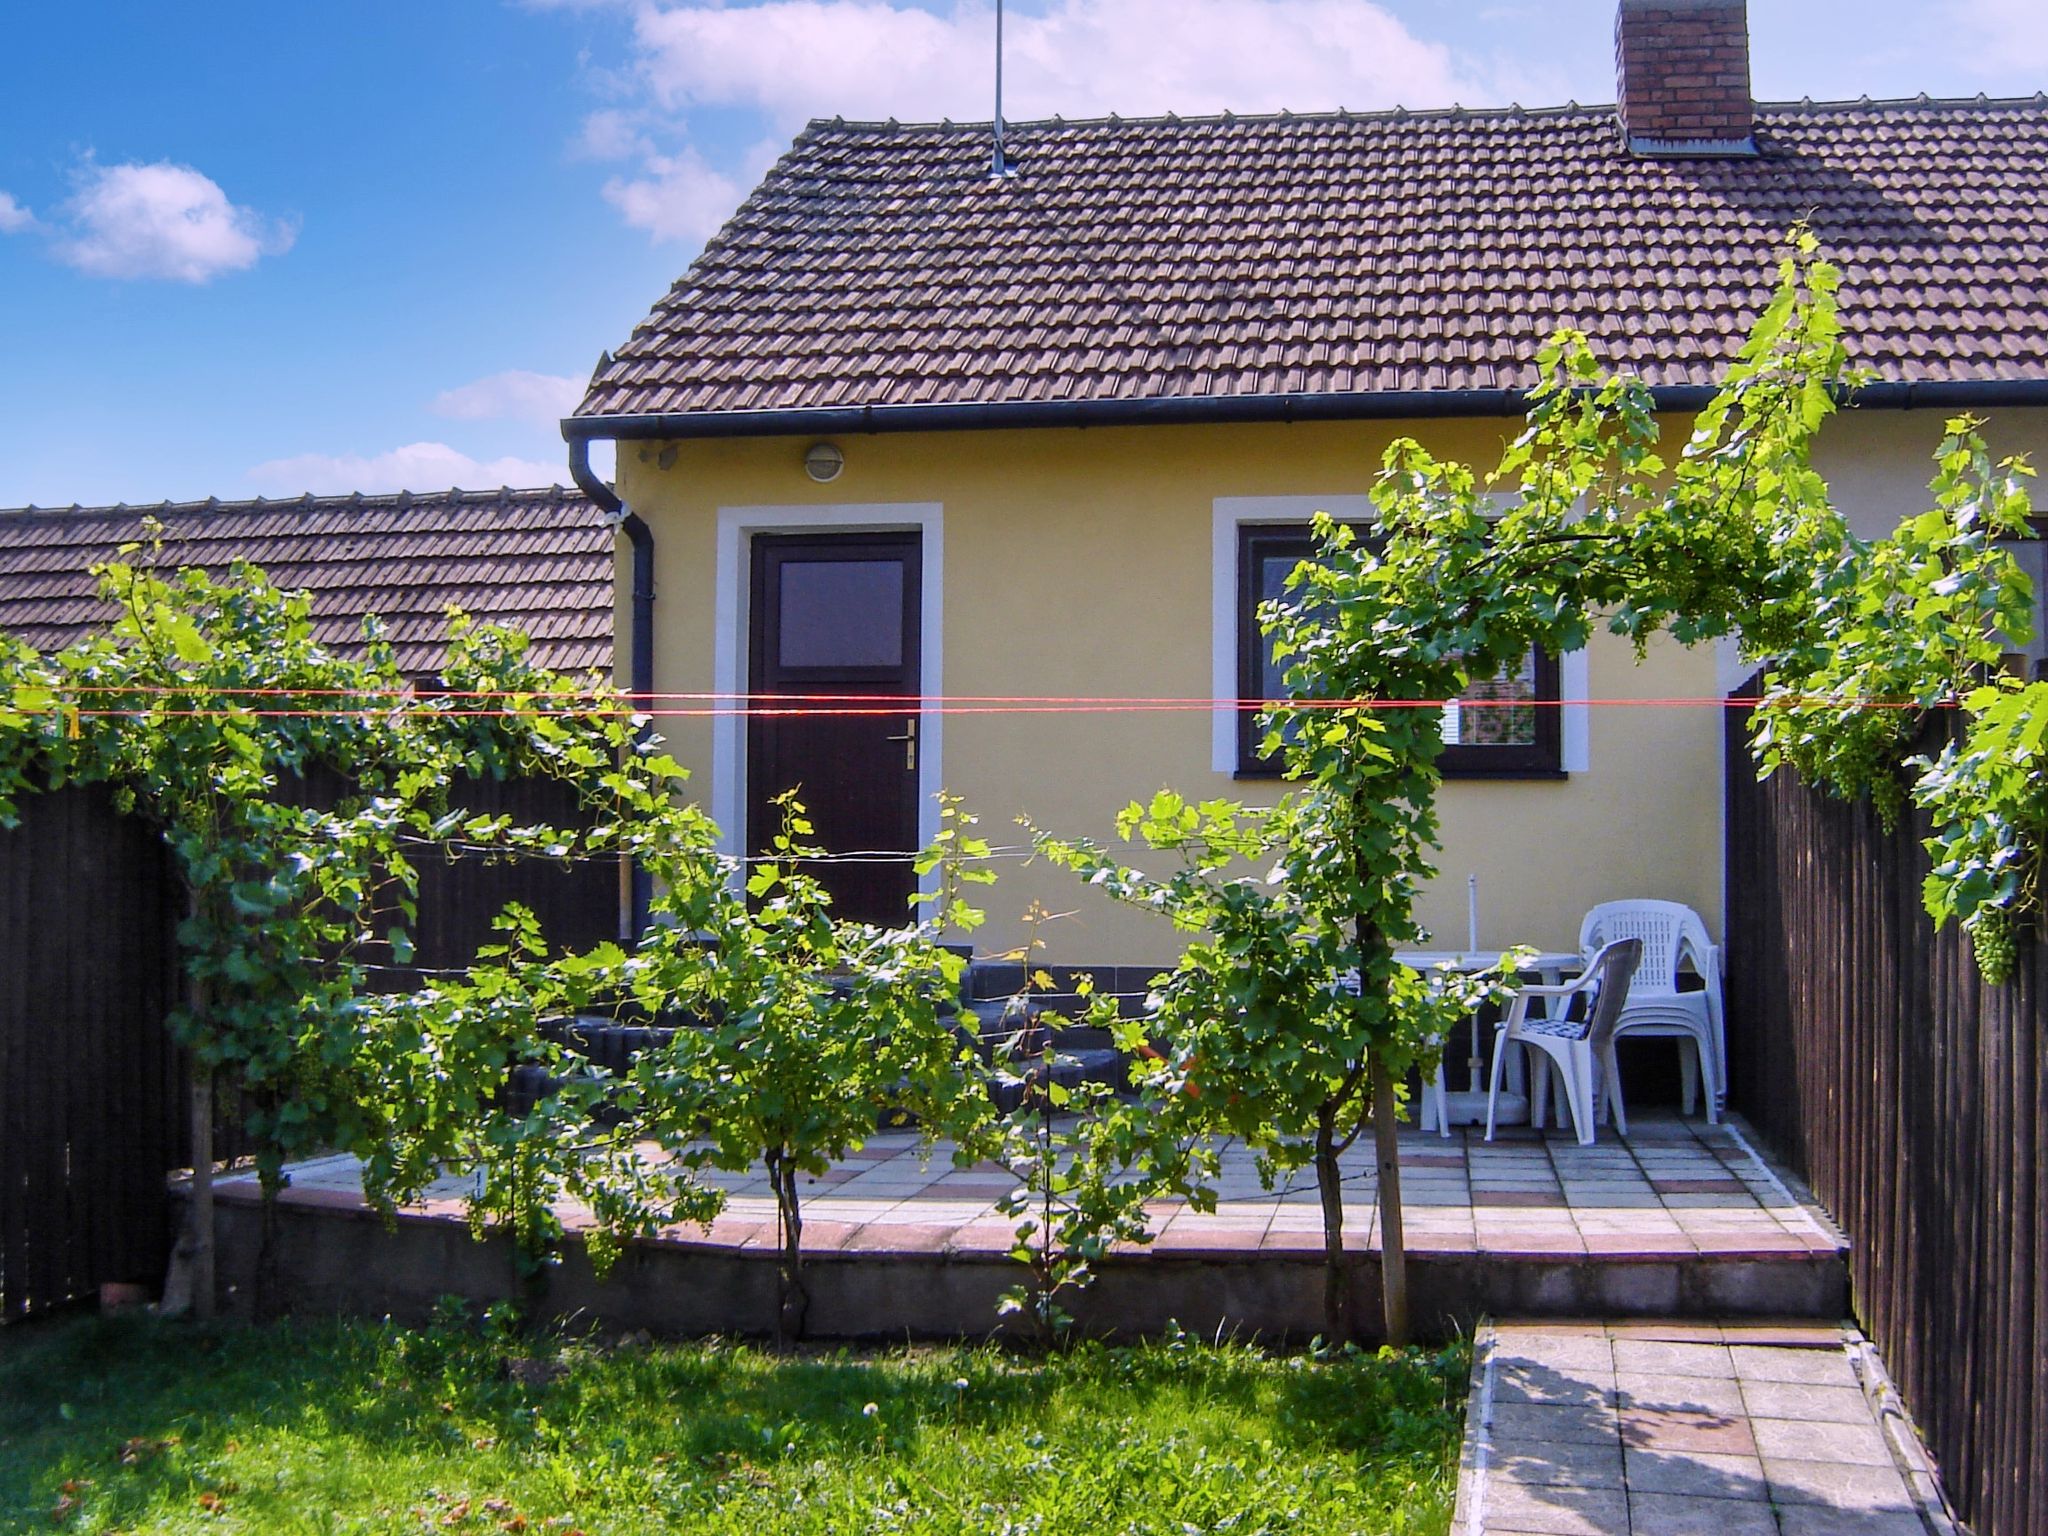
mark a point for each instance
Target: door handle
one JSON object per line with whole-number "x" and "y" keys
{"x": 909, "y": 740}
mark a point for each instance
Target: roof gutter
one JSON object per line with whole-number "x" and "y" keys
{"x": 639, "y": 892}
{"x": 1190, "y": 410}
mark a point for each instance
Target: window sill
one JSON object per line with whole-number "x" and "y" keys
{"x": 1524, "y": 775}
{"x": 1531, "y": 775}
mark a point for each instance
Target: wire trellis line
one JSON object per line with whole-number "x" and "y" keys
{"x": 510, "y": 851}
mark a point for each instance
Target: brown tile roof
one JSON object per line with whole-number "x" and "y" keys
{"x": 540, "y": 560}
{"x": 880, "y": 265}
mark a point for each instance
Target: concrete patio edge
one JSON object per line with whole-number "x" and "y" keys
{"x": 335, "y": 1255}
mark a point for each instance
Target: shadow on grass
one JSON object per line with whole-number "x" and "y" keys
{"x": 129, "y": 1418}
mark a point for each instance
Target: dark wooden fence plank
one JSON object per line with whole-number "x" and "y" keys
{"x": 92, "y": 1088}
{"x": 1914, "y": 1098}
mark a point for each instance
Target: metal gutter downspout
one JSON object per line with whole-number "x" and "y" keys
{"x": 639, "y": 885}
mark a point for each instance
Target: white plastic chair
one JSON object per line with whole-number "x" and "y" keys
{"x": 1435, "y": 1110}
{"x": 1583, "y": 1047}
{"x": 1672, "y": 936}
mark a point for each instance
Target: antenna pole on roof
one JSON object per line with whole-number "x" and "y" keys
{"x": 1000, "y": 165}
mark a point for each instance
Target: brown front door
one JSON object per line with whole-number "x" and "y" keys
{"x": 835, "y": 619}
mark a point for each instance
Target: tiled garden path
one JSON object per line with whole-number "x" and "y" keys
{"x": 1647, "y": 1429}
{"x": 1671, "y": 1189}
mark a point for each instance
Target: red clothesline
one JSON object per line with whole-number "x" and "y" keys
{"x": 792, "y": 706}
{"x": 936, "y": 700}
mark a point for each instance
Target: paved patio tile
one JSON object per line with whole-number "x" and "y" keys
{"x": 1800, "y": 1440}
{"x": 1686, "y": 1430}
{"x": 1616, "y": 1246}
{"x": 1814, "y": 1520}
{"x": 1676, "y": 1514}
{"x": 1814, "y": 1367}
{"x": 1680, "y": 1394}
{"x": 1582, "y": 1362}
{"x": 896, "y": 1237}
{"x": 1552, "y": 1510}
{"x": 1657, "y": 1357}
{"x": 996, "y": 1235}
{"x": 1538, "y": 1386}
{"x": 1797, "y": 1400}
{"x": 1525, "y": 1427}
{"x": 1838, "y": 1485}
{"x": 724, "y": 1232}
{"x": 1699, "y": 1474}
{"x": 1662, "y": 1330}
{"x": 826, "y": 1236}
{"x": 1574, "y": 1464}
{"x": 1692, "y": 1460}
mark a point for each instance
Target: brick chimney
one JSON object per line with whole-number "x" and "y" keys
{"x": 1682, "y": 76}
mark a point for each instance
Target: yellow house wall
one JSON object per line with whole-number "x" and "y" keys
{"x": 1878, "y": 463}
{"x": 1079, "y": 563}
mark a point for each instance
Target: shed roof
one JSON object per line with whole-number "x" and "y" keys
{"x": 540, "y": 560}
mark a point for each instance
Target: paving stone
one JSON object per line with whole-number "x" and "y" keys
{"x": 1797, "y": 1400}
{"x": 1553, "y": 1510}
{"x": 1677, "y": 1514}
{"x": 1836, "y": 1484}
{"x": 1537, "y": 1383}
{"x": 1576, "y": 1464}
{"x": 1658, "y": 1330}
{"x": 1677, "y": 1394}
{"x": 1583, "y": 1353}
{"x": 1800, "y": 1440}
{"x": 1673, "y": 1359}
{"x": 1816, "y": 1520}
{"x": 1656, "y": 1429}
{"x": 897, "y": 1237}
{"x": 1703, "y": 1474}
{"x": 1814, "y": 1367}
{"x": 1785, "y": 1335}
{"x": 1520, "y": 1428}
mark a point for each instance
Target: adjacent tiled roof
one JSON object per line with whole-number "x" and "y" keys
{"x": 540, "y": 560}
{"x": 880, "y": 265}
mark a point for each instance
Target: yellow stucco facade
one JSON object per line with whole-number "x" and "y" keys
{"x": 1084, "y": 562}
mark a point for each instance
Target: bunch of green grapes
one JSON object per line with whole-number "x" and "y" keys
{"x": 1994, "y": 936}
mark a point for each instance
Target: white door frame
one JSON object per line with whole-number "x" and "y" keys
{"x": 730, "y": 662}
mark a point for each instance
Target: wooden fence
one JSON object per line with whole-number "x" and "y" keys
{"x": 92, "y": 1091}
{"x": 1914, "y": 1099}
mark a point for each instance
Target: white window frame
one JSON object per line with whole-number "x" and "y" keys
{"x": 1231, "y": 513}
{"x": 732, "y": 591}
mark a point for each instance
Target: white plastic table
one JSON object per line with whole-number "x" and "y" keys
{"x": 1469, "y": 1107}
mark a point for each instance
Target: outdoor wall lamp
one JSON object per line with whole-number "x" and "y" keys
{"x": 823, "y": 462}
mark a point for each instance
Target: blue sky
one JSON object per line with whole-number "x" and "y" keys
{"x": 262, "y": 248}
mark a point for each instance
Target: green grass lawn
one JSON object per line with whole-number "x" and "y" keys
{"x": 131, "y": 1425}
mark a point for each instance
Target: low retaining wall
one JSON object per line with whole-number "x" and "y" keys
{"x": 335, "y": 1257}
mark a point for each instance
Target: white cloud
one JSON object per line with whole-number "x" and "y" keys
{"x": 795, "y": 59}
{"x": 678, "y": 197}
{"x": 14, "y": 218}
{"x": 612, "y": 134}
{"x": 415, "y": 467}
{"x": 516, "y": 395}
{"x": 163, "y": 221}
{"x": 790, "y": 60}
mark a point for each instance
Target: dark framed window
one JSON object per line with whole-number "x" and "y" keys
{"x": 1506, "y": 727}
